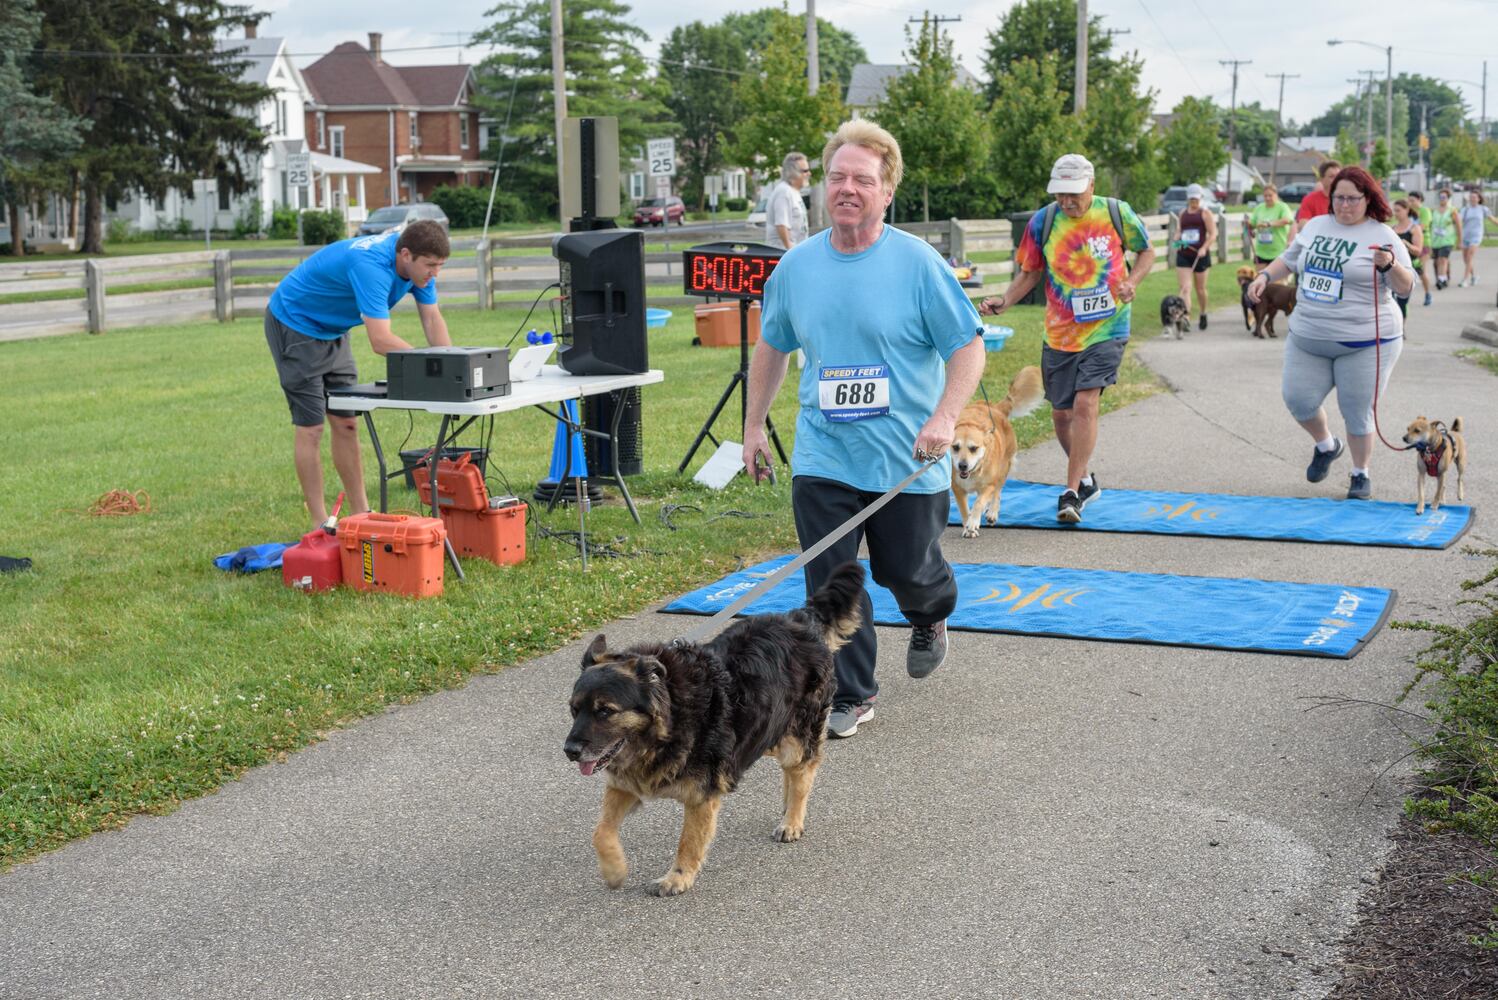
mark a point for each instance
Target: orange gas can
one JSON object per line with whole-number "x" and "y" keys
{"x": 497, "y": 535}
{"x": 394, "y": 553}
{"x": 314, "y": 563}
{"x": 460, "y": 485}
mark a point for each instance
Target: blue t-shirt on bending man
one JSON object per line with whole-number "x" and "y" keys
{"x": 894, "y": 311}
{"x": 330, "y": 292}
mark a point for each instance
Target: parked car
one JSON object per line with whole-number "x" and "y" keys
{"x": 660, "y": 211}
{"x": 1296, "y": 193}
{"x": 757, "y": 213}
{"x": 390, "y": 217}
{"x": 1173, "y": 201}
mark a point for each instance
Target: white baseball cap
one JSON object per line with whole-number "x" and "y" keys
{"x": 1194, "y": 191}
{"x": 1070, "y": 175}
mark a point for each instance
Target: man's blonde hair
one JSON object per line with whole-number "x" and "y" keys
{"x": 861, "y": 132}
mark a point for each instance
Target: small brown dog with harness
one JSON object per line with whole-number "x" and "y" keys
{"x": 1437, "y": 449}
{"x": 983, "y": 448}
{"x": 1277, "y": 298}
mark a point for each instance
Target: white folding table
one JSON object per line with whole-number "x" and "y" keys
{"x": 552, "y": 386}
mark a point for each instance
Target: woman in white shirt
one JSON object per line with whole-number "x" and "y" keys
{"x": 1346, "y": 329}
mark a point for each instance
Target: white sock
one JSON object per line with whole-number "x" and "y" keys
{"x": 1330, "y": 444}
{"x": 1359, "y": 472}
{"x": 1087, "y": 479}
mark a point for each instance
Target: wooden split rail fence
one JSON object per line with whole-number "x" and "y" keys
{"x": 39, "y": 297}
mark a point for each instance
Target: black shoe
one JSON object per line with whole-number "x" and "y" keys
{"x": 1069, "y": 508}
{"x": 1359, "y": 488}
{"x": 1321, "y": 462}
{"x": 1086, "y": 492}
{"x": 1202, "y": 325}
{"x": 927, "y": 650}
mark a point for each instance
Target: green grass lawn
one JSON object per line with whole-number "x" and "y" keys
{"x": 134, "y": 674}
{"x": 1481, "y": 357}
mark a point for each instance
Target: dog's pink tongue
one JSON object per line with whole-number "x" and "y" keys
{"x": 586, "y": 766}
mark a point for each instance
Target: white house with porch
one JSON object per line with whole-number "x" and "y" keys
{"x": 283, "y": 119}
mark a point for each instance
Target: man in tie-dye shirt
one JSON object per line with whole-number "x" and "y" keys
{"x": 1088, "y": 288}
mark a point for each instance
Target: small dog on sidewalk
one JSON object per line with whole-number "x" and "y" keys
{"x": 1259, "y": 317}
{"x": 1437, "y": 449}
{"x": 1174, "y": 317}
{"x": 983, "y": 447}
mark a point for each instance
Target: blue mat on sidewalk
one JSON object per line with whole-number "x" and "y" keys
{"x": 1253, "y": 615}
{"x": 1222, "y": 515}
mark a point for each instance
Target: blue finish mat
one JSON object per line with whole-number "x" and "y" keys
{"x": 1221, "y": 515}
{"x": 1254, "y": 615}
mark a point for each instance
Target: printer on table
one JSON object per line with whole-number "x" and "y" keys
{"x": 448, "y": 374}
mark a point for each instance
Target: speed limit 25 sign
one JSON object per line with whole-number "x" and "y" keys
{"x": 662, "y": 156}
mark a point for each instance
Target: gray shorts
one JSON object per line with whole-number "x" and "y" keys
{"x": 1313, "y": 368}
{"x": 308, "y": 367}
{"x": 1066, "y": 372}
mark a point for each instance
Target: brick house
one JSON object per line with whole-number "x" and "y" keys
{"x": 415, "y": 124}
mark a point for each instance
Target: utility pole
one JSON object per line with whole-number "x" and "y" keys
{"x": 1279, "y": 122}
{"x": 1371, "y": 74}
{"x": 1484, "y": 100}
{"x": 1079, "y": 98}
{"x": 813, "y": 70}
{"x": 1232, "y": 123}
{"x": 1389, "y": 108}
{"x": 558, "y": 95}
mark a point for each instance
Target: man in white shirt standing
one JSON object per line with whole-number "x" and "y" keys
{"x": 785, "y": 212}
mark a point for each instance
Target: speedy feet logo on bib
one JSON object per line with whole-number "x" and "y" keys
{"x": 853, "y": 392}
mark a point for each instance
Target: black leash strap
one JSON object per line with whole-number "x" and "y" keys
{"x": 718, "y": 620}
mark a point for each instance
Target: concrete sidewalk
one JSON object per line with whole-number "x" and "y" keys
{"x": 1041, "y": 818}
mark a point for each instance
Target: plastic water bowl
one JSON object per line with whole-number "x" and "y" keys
{"x": 657, "y": 317}
{"x": 995, "y": 337}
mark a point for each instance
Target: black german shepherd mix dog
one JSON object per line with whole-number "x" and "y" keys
{"x": 684, "y": 722}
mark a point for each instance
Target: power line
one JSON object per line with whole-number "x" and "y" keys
{"x": 1166, "y": 39}
{"x": 1224, "y": 41}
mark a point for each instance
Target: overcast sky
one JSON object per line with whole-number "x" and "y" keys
{"x": 1182, "y": 41}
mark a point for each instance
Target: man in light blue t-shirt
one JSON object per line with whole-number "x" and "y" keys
{"x": 894, "y": 350}
{"x": 343, "y": 285}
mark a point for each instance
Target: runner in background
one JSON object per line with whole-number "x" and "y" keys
{"x": 1407, "y": 228}
{"x": 1318, "y": 202}
{"x": 1475, "y": 217}
{"x": 1194, "y": 240}
{"x": 1422, "y": 214}
{"x": 1271, "y": 226}
{"x": 1445, "y": 230}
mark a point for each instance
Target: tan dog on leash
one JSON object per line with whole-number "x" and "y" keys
{"x": 1437, "y": 449}
{"x": 983, "y": 447}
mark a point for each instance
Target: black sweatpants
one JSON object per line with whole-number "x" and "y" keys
{"x": 904, "y": 557}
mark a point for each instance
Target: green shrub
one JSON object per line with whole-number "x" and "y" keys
{"x": 184, "y": 225}
{"x": 321, "y": 227}
{"x": 119, "y": 231}
{"x": 735, "y": 204}
{"x": 465, "y": 206}
{"x": 282, "y": 223}
{"x": 1461, "y": 757}
{"x": 248, "y": 221}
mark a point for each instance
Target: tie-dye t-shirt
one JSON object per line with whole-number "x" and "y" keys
{"x": 1082, "y": 254}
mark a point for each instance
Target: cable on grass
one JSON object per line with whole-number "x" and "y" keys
{"x": 608, "y": 550}
{"x": 668, "y": 512}
{"x": 120, "y": 503}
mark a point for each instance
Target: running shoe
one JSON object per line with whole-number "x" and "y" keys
{"x": 1068, "y": 508}
{"x": 1359, "y": 488}
{"x": 844, "y": 720}
{"x": 1321, "y": 462}
{"x": 928, "y": 648}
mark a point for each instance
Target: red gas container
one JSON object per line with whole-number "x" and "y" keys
{"x": 314, "y": 563}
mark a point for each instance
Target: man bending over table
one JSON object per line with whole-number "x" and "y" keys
{"x": 307, "y": 326}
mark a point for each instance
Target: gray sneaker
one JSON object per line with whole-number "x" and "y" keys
{"x": 844, "y": 720}
{"x": 1321, "y": 462}
{"x": 928, "y": 648}
{"x": 1360, "y": 488}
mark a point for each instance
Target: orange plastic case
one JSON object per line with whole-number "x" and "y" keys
{"x": 393, "y": 553}
{"x": 460, "y": 485}
{"x": 495, "y": 535}
{"x": 718, "y": 324}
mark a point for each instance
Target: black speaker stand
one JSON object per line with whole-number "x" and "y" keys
{"x": 740, "y": 381}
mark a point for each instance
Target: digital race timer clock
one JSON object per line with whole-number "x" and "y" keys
{"x": 729, "y": 270}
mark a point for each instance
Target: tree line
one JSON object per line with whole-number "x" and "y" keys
{"x": 100, "y": 99}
